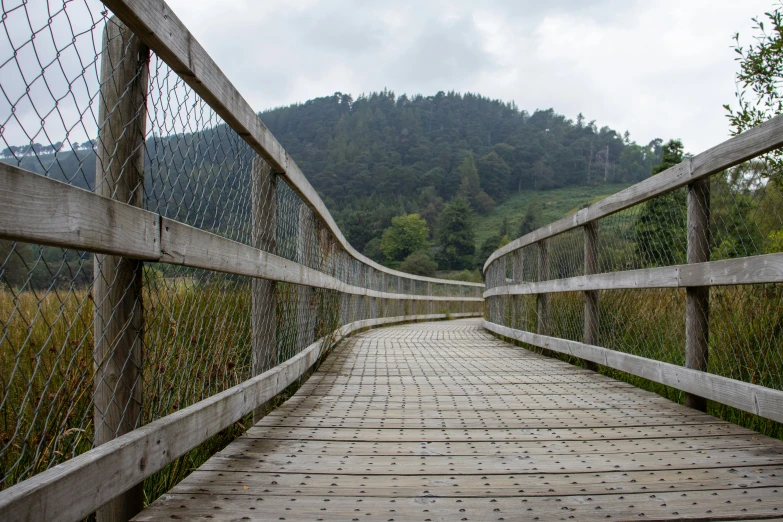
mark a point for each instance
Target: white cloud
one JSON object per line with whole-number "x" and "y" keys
{"x": 661, "y": 69}
{"x": 657, "y": 69}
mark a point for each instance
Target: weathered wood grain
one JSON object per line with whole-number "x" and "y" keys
{"x": 442, "y": 421}
{"x": 47, "y": 212}
{"x": 35, "y": 209}
{"x": 185, "y": 245}
{"x": 767, "y": 268}
{"x": 263, "y": 320}
{"x": 117, "y": 283}
{"x": 697, "y": 298}
{"x": 751, "y": 398}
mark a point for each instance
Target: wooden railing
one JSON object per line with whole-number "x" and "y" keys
{"x": 508, "y": 283}
{"x": 112, "y": 223}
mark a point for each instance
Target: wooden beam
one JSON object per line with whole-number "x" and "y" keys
{"x": 263, "y": 320}
{"x": 188, "y": 246}
{"x": 767, "y": 268}
{"x": 542, "y": 300}
{"x": 749, "y": 144}
{"x": 117, "y": 283}
{"x": 697, "y": 298}
{"x": 40, "y": 210}
{"x": 758, "y": 400}
{"x": 591, "y": 322}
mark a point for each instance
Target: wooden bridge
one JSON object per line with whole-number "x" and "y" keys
{"x": 201, "y": 278}
{"x": 443, "y": 421}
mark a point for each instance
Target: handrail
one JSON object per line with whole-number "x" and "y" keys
{"x": 767, "y": 268}
{"x": 101, "y": 225}
{"x": 696, "y": 276}
{"x": 158, "y": 27}
{"x": 749, "y": 144}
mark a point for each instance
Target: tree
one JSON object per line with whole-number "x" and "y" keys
{"x": 358, "y": 229}
{"x": 758, "y": 81}
{"x": 494, "y": 174}
{"x": 455, "y": 236}
{"x": 373, "y": 250}
{"x": 419, "y": 263}
{"x": 489, "y": 245}
{"x": 430, "y": 206}
{"x": 470, "y": 187}
{"x": 532, "y": 218}
{"x": 407, "y": 234}
{"x": 660, "y": 229}
{"x": 504, "y": 227}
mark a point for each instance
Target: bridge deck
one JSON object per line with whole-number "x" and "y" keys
{"x": 441, "y": 421}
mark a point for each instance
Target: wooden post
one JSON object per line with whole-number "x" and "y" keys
{"x": 119, "y": 322}
{"x": 542, "y": 300}
{"x": 697, "y": 299}
{"x": 499, "y": 312}
{"x": 429, "y": 301}
{"x": 263, "y": 335}
{"x": 401, "y": 291}
{"x": 461, "y": 299}
{"x": 305, "y": 254}
{"x": 518, "y": 276}
{"x": 591, "y": 296}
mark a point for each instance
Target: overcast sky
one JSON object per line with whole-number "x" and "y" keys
{"x": 657, "y": 69}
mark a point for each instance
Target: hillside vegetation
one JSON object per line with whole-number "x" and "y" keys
{"x": 381, "y": 156}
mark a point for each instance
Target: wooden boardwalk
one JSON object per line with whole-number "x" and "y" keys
{"x": 441, "y": 421}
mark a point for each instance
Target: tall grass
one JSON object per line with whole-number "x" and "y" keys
{"x": 745, "y": 343}
{"x": 196, "y": 344}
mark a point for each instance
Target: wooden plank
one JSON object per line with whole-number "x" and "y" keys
{"x": 665, "y": 277}
{"x": 117, "y": 283}
{"x": 591, "y": 266}
{"x": 751, "y": 398}
{"x": 698, "y": 505}
{"x": 348, "y": 464}
{"x": 292, "y": 485}
{"x": 156, "y": 25}
{"x": 542, "y": 299}
{"x": 724, "y": 445}
{"x": 112, "y": 468}
{"x": 263, "y": 320}
{"x": 184, "y": 245}
{"x": 749, "y": 144}
{"x": 767, "y": 268}
{"x": 424, "y": 421}
{"x": 40, "y": 210}
{"x": 697, "y": 299}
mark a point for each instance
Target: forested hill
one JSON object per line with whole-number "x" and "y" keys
{"x": 377, "y": 154}
{"x": 431, "y": 162}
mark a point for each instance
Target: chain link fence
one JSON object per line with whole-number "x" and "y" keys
{"x": 744, "y": 334}
{"x": 85, "y": 103}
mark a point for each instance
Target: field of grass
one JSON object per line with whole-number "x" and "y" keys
{"x": 745, "y": 339}
{"x": 554, "y": 204}
{"x": 196, "y": 344}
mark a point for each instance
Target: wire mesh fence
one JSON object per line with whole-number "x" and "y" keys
{"x": 94, "y": 346}
{"x": 742, "y": 331}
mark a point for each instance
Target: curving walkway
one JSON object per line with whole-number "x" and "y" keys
{"x": 441, "y": 421}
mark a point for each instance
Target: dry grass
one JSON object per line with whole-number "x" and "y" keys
{"x": 746, "y": 335}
